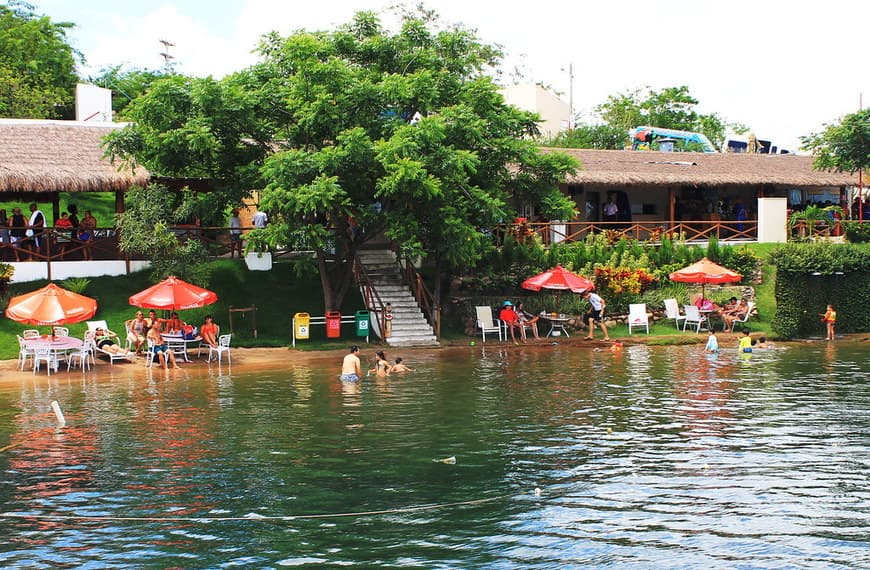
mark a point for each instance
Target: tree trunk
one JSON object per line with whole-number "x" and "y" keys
{"x": 335, "y": 281}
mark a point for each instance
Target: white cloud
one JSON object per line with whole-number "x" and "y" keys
{"x": 783, "y": 68}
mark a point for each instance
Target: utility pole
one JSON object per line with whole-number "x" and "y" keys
{"x": 165, "y": 53}
{"x": 571, "y": 96}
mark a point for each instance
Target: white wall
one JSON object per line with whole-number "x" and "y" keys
{"x": 772, "y": 220}
{"x": 554, "y": 112}
{"x": 93, "y": 104}
{"x": 36, "y": 270}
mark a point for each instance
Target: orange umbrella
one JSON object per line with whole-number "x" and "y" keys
{"x": 559, "y": 279}
{"x": 51, "y": 305}
{"x": 173, "y": 294}
{"x": 703, "y": 272}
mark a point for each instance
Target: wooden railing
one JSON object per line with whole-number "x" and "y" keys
{"x": 423, "y": 296}
{"x": 568, "y": 232}
{"x": 370, "y": 295}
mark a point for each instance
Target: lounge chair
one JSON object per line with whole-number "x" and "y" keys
{"x": 126, "y": 355}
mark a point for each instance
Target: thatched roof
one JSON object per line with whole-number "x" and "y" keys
{"x": 623, "y": 167}
{"x": 65, "y": 156}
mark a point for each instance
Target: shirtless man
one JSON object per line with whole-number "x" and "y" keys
{"x": 351, "y": 371}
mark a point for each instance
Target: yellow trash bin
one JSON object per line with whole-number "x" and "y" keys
{"x": 302, "y": 322}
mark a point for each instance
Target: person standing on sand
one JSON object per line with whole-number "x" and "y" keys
{"x": 595, "y": 315}
{"x": 351, "y": 371}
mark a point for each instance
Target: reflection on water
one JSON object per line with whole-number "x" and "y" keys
{"x": 653, "y": 457}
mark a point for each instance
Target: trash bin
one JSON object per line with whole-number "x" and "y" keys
{"x": 362, "y": 323}
{"x": 302, "y": 322}
{"x": 333, "y": 324}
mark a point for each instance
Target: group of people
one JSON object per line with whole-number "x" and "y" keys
{"x": 733, "y": 311}
{"x": 26, "y": 235}
{"x": 517, "y": 319}
{"x": 351, "y": 368}
{"x": 141, "y": 329}
{"x": 745, "y": 343}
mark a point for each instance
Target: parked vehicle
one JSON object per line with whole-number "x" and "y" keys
{"x": 740, "y": 144}
{"x": 655, "y": 138}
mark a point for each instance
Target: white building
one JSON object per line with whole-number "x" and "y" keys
{"x": 555, "y": 114}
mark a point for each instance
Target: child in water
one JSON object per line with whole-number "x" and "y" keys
{"x": 829, "y": 318}
{"x": 712, "y": 343}
{"x": 745, "y": 342}
{"x": 399, "y": 367}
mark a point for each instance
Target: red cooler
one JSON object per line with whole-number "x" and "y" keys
{"x": 333, "y": 324}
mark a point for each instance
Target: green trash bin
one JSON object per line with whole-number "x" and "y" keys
{"x": 363, "y": 323}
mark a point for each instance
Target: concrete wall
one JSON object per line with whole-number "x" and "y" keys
{"x": 554, "y": 112}
{"x": 772, "y": 220}
{"x": 37, "y": 270}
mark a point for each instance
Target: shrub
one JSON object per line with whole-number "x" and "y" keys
{"x": 76, "y": 284}
{"x": 857, "y": 232}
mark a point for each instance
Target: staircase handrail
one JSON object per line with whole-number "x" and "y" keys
{"x": 422, "y": 295}
{"x": 370, "y": 294}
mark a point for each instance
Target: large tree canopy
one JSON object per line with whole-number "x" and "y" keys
{"x": 843, "y": 146}
{"x": 355, "y": 133}
{"x": 37, "y": 65}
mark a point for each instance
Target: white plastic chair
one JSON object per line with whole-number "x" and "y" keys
{"x": 637, "y": 316}
{"x": 149, "y": 354}
{"x": 222, "y": 347}
{"x": 83, "y": 354}
{"x": 24, "y": 352}
{"x": 60, "y": 331}
{"x": 672, "y": 311}
{"x": 44, "y": 354}
{"x": 486, "y": 323}
{"x": 30, "y": 333}
{"x": 693, "y": 317}
{"x": 750, "y": 305}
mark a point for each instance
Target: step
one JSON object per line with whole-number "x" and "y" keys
{"x": 421, "y": 341}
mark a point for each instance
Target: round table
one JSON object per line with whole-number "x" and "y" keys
{"x": 557, "y": 323}
{"x": 58, "y": 346}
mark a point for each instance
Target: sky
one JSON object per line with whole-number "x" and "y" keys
{"x": 784, "y": 68}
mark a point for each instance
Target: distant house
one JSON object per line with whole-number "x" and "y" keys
{"x": 555, "y": 114}
{"x": 667, "y": 186}
{"x": 39, "y": 159}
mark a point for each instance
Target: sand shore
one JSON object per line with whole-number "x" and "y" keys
{"x": 247, "y": 360}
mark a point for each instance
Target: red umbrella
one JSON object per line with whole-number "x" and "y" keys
{"x": 559, "y": 279}
{"x": 173, "y": 294}
{"x": 703, "y": 272}
{"x": 51, "y": 305}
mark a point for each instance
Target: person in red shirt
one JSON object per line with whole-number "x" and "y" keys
{"x": 209, "y": 331}
{"x": 509, "y": 317}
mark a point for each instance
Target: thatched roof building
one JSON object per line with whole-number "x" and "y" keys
{"x": 648, "y": 168}
{"x": 60, "y": 156}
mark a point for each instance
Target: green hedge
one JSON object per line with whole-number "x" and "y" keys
{"x": 812, "y": 275}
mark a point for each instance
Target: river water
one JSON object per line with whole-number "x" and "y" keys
{"x": 564, "y": 458}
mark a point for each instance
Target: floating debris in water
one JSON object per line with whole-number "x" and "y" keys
{"x": 537, "y": 491}
{"x": 448, "y": 460}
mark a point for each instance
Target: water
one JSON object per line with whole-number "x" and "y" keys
{"x": 656, "y": 457}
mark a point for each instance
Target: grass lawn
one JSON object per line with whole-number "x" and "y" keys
{"x": 276, "y": 294}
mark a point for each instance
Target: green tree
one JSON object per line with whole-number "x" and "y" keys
{"x": 670, "y": 108}
{"x": 843, "y": 146}
{"x": 404, "y": 134}
{"x": 146, "y": 232}
{"x": 601, "y": 137}
{"x": 126, "y": 85}
{"x": 37, "y": 64}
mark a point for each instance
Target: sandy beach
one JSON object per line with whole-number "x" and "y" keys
{"x": 247, "y": 360}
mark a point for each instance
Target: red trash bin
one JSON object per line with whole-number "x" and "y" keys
{"x": 333, "y": 324}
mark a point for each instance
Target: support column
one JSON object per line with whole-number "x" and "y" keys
{"x": 772, "y": 220}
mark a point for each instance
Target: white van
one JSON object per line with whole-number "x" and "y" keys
{"x": 740, "y": 144}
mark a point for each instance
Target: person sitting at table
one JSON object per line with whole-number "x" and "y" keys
{"x": 107, "y": 341}
{"x": 527, "y": 319}
{"x": 174, "y": 325}
{"x": 736, "y": 314}
{"x": 209, "y": 331}
{"x": 706, "y": 305}
{"x": 509, "y": 317}
{"x": 161, "y": 349}
{"x": 138, "y": 330}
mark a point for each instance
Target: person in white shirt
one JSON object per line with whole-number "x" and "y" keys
{"x": 611, "y": 210}
{"x": 595, "y": 315}
{"x": 260, "y": 219}
{"x": 235, "y": 233}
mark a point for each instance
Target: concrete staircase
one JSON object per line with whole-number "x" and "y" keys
{"x": 410, "y": 327}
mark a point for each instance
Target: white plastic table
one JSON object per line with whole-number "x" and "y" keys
{"x": 557, "y": 323}
{"x": 179, "y": 345}
{"x": 58, "y": 345}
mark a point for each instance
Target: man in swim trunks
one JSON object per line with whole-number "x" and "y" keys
{"x": 351, "y": 371}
